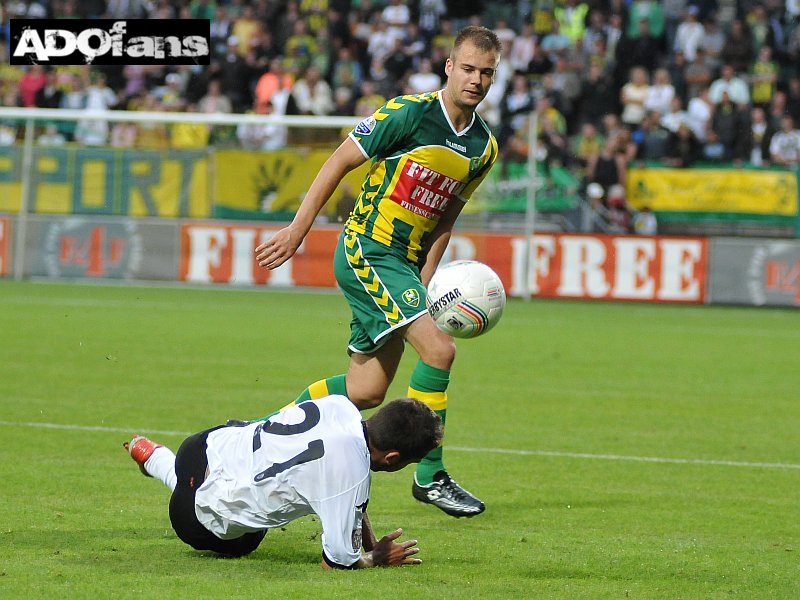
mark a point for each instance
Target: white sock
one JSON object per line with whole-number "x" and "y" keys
{"x": 161, "y": 465}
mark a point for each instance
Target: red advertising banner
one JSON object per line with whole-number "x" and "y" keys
{"x": 5, "y": 235}
{"x": 216, "y": 252}
{"x": 607, "y": 267}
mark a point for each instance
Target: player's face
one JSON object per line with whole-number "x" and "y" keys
{"x": 470, "y": 73}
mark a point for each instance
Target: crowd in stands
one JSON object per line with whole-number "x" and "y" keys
{"x": 613, "y": 82}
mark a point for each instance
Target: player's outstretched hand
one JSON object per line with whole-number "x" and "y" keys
{"x": 279, "y": 248}
{"x": 389, "y": 553}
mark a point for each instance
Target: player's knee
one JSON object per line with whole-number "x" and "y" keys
{"x": 365, "y": 394}
{"x": 440, "y": 353}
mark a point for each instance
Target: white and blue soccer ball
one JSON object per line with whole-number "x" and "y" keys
{"x": 465, "y": 298}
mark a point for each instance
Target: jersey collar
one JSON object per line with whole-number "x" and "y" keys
{"x": 440, "y": 94}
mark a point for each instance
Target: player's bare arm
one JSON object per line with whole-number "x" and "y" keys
{"x": 438, "y": 240}
{"x": 282, "y": 246}
{"x": 368, "y": 539}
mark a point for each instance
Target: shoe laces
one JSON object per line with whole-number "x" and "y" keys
{"x": 453, "y": 488}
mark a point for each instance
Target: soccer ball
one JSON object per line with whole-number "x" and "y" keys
{"x": 465, "y": 298}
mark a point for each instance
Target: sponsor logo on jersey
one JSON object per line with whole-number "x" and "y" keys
{"x": 425, "y": 192}
{"x": 475, "y": 163}
{"x": 411, "y": 297}
{"x": 454, "y": 146}
{"x": 366, "y": 126}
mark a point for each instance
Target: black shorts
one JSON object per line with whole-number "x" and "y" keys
{"x": 191, "y": 463}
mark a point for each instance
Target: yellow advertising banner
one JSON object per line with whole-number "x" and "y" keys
{"x": 108, "y": 181}
{"x": 713, "y": 190}
{"x": 275, "y": 181}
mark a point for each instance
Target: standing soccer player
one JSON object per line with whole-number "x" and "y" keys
{"x": 429, "y": 152}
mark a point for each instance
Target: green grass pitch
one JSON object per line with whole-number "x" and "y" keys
{"x": 623, "y": 450}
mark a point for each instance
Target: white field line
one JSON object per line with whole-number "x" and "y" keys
{"x": 547, "y": 453}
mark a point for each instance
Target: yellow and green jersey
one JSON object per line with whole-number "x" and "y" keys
{"x": 420, "y": 164}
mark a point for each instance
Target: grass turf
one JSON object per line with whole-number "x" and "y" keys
{"x": 578, "y": 402}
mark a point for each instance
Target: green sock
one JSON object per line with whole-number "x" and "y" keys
{"x": 318, "y": 389}
{"x": 429, "y": 384}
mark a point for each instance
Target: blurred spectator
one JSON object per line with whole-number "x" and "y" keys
{"x": 765, "y": 29}
{"x": 540, "y": 63}
{"x": 759, "y": 138}
{"x": 245, "y": 28}
{"x": 647, "y": 12}
{"x": 571, "y": 19}
{"x": 595, "y": 30}
{"x": 698, "y": 114}
{"x": 793, "y": 97}
{"x": 258, "y": 136}
{"x": 382, "y": 41}
{"x": 516, "y": 105}
{"x": 777, "y": 108}
{"x": 49, "y": 96}
{"x": 73, "y": 98}
{"x": 344, "y": 105}
{"x": 683, "y": 148}
{"x": 555, "y": 41}
{"x": 396, "y": 15}
{"x": 51, "y": 136}
{"x": 271, "y": 81}
{"x": 729, "y": 83}
{"x": 522, "y": 48}
{"x": 424, "y": 79}
{"x": 617, "y": 214}
{"x": 763, "y": 78}
{"x": 220, "y": 32}
{"x": 697, "y": 75}
{"x": 738, "y": 49}
{"x": 712, "y": 43}
{"x": 346, "y": 70}
{"x": 397, "y": 62}
{"x": 445, "y": 37}
{"x": 285, "y": 25}
{"x": 585, "y": 145}
{"x": 30, "y": 83}
{"x": 597, "y": 96}
{"x": 300, "y": 48}
{"x": 214, "y": 100}
{"x": 644, "y": 50}
{"x": 730, "y": 123}
{"x": 676, "y": 66}
{"x": 200, "y": 9}
{"x": 188, "y": 135}
{"x": 673, "y": 15}
{"x": 672, "y": 118}
{"x": 644, "y": 222}
{"x": 311, "y": 94}
{"x": 689, "y": 34}
{"x": 784, "y": 148}
{"x": 385, "y": 84}
{"x": 660, "y": 93}
{"x": 234, "y": 73}
{"x": 369, "y": 100}
{"x": 632, "y": 97}
{"x": 430, "y": 13}
{"x": 609, "y": 167}
{"x": 651, "y": 138}
{"x": 567, "y": 83}
{"x": 713, "y": 150}
{"x": 98, "y": 98}
{"x": 128, "y": 9}
{"x": 123, "y": 135}
{"x": 151, "y": 134}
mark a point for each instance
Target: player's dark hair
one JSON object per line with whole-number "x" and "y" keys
{"x": 482, "y": 38}
{"x": 406, "y": 425}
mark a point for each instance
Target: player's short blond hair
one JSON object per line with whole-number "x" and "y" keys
{"x": 482, "y": 38}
